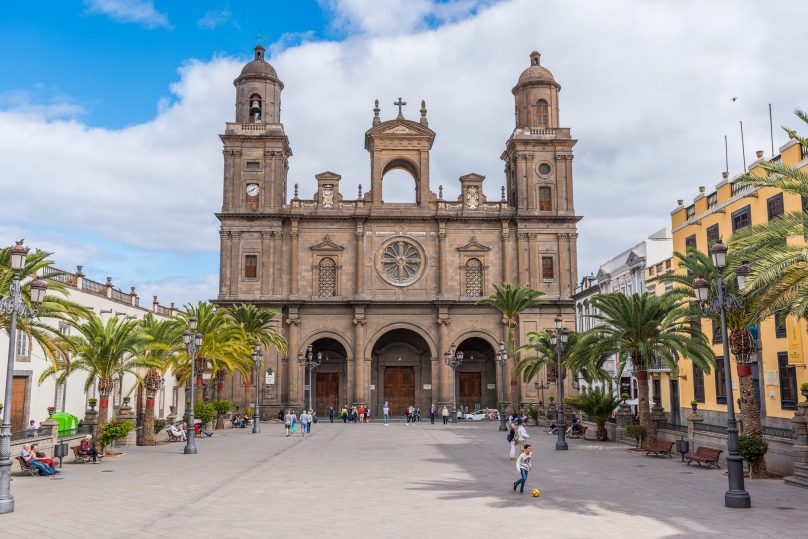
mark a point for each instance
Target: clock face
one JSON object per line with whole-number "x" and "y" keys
{"x": 252, "y": 189}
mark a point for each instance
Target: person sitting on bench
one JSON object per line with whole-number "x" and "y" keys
{"x": 199, "y": 430}
{"x": 32, "y": 462}
{"x": 41, "y": 456}
{"x": 575, "y": 427}
{"x": 552, "y": 429}
{"x": 87, "y": 449}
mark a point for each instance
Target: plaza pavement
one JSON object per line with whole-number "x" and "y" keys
{"x": 420, "y": 481}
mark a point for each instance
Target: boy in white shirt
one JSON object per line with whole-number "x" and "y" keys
{"x": 523, "y": 465}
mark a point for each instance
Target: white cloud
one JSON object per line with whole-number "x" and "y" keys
{"x": 215, "y": 18}
{"x": 645, "y": 89}
{"x": 178, "y": 290}
{"x": 136, "y": 11}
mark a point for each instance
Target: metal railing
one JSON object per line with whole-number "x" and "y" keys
{"x": 778, "y": 432}
{"x": 82, "y": 429}
{"x": 715, "y": 429}
{"x": 119, "y": 295}
{"x": 92, "y": 286}
{"x": 673, "y": 427}
{"x": 31, "y": 433}
{"x": 53, "y": 274}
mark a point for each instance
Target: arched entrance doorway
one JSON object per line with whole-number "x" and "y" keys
{"x": 401, "y": 372}
{"x": 476, "y": 380}
{"x": 330, "y": 378}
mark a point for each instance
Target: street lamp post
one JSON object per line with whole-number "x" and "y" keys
{"x": 736, "y": 496}
{"x": 15, "y": 306}
{"x": 193, "y": 341}
{"x": 502, "y": 358}
{"x": 258, "y": 360}
{"x": 311, "y": 362}
{"x": 559, "y": 341}
{"x": 453, "y": 360}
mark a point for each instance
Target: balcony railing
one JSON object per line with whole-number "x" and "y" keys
{"x": 31, "y": 433}
{"x": 778, "y": 432}
{"x": 715, "y": 429}
{"x": 658, "y": 366}
{"x": 83, "y": 429}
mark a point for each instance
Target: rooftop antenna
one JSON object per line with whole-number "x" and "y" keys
{"x": 743, "y": 148}
{"x": 771, "y": 128}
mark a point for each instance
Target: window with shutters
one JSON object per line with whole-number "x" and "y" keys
{"x": 327, "y": 278}
{"x": 250, "y": 266}
{"x": 741, "y": 218}
{"x": 780, "y": 330}
{"x": 474, "y": 278}
{"x": 720, "y": 381}
{"x": 713, "y": 235}
{"x": 545, "y": 198}
{"x": 788, "y": 382}
{"x": 547, "y": 273}
{"x": 698, "y": 384}
{"x": 774, "y": 206}
{"x": 542, "y": 113}
{"x": 23, "y": 345}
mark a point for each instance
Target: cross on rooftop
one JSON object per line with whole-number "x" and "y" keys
{"x": 260, "y": 37}
{"x": 400, "y": 104}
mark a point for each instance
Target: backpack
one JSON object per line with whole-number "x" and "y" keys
{"x": 510, "y": 435}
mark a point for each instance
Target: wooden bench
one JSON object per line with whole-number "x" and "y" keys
{"x": 25, "y": 468}
{"x": 707, "y": 455}
{"x": 83, "y": 458}
{"x": 580, "y": 433}
{"x": 661, "y": 448}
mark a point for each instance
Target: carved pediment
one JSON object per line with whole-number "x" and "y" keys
{"x": 635, "y": 259}
{"x": 327, "y": 245}
{"x": 602, "y": 276}
{"x": 400, "y": 130}
{"x": 473, "y": 246}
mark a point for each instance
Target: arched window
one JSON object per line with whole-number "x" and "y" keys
{"x": 327, "y": 278}
{"x": 545, "y": 198}
{"x": 255, "y": 109}
{"x": 542, "y": 113}
{"x": 474, "y": 278}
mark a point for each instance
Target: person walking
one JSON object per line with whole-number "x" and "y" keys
{"x": 522, "y": 435}
{"x": 386, "y": 412}
{"x": 361, "y": 413}
{"x": 432, "y": 413}
{"x": 287, "y": 422}
{"x": 294, "y": 421}
{"x": 345, "y": 414}
{"x": 304, "y": 423}
{"x": 445, "y": 414}
{"x": 512, "y": 440}
{"x": 311, "y": 420}
{"x": 523, "y": 465}
{"x": 331, "y": 414}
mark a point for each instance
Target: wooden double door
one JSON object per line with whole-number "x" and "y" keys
{"x": 19, "y": 392}
{"x": 399, "y": 389}
{"x": 469, "y": 389}
{"x": 326, "y": 393}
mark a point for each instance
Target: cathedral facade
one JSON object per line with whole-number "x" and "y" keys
{"x": 379, "y": 292}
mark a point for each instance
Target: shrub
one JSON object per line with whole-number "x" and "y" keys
{"x": 533, "y": 412}
{"x": 753, "y": 448}
{"x": 624, "y": 395}
{"x": 204, "y": 412}
{"x": 115, "y": 429}
{"x": 550, "y": 415}
{"x": 694, "y": 403}
{"x": 637, "y": 432}
{"x": 221, "y": 407}
{"x": 249, "y": 412}
{"x": 803, "y": 387}
{"x": 159, "y": 424}
{"x": 92, "y": 401}
{"x": 598, "y": 405}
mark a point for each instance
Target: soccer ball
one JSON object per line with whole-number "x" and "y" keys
{"x": 536, "y": 493}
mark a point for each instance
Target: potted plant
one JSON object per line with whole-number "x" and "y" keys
{"x": 222, "y": 407}
{"x": 694, "y": 406}
{"x": 51, "y": 410}
{"x": 533, "y": 412}
{"x": 113, "y": 431}
{"x": 552, "y": 399}
{"x": 91, "y": 402}
{"x": 624, "y": 396}
{"x": 803, "y": 390}
{"x": 637, "y": 432}
{"x": 598, "y": 405}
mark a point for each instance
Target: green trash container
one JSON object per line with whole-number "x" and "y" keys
{"x": 66, "y": 421}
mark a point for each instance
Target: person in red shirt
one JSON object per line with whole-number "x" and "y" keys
{"x": 361, "y": 414}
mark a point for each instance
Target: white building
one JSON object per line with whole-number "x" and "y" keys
{"x": 624, "y": 274}
{"x": 30, "y": 400}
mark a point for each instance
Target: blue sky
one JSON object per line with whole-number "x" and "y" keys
{"x": 110, "y": 110}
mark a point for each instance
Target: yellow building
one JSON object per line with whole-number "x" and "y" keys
{"x": 783, "y": 348}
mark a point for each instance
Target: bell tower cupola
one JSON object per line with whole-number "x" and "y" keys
{"x": 536, "y": 96}
{"x": 258, "y": 92}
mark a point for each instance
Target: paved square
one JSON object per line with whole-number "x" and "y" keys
{"x": 396, "y": 481}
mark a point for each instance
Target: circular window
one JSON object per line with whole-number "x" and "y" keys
{"x": 544, "y": 169}
{"x": 401, "y": 261}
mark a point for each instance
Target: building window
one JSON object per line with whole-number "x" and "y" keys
{"x": 547, "y": 273}
{"x": 64, "y": 329}
{"x": 780, "y": 325}
{"x": 474, "y": 278}
{"x": 690, "y": 241}
{"x": 698, "y": 384}
{"x": 327, "y": 278}
{"x": 255, "y": 109}
{"x": 774, "y": 205}
{"x": 741, "y": 218}
{"x": 712, "y": 235}
{"x": 23, "y": 344}
{"x": 253, "y": 165}
{"x": 720, "y": 381}
{"x": 712, "y": 200}
{"x": 691, "y": 212}
{"x": 545, "y": 198}
{"x": 668, "y": 264}
{"x": 788, "y": 382}
{"x": 542, "y": 113}
{"x": 651, "y": 271}
{"x": 250, "y": 266}
{"x": 717, "y": 332}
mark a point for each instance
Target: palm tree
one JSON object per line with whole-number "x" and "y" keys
{"x": 739, "y": 319}
{"x": 105, "y": 351}
{"x": 539, "y": 343}
{"x": 512, "y": 301}
{"x": 779, "y": 276}
{"x": 258, "y": 325}
{"x": 225, "y": 347}
{"x": 55, "y": 305}
{"x": 160, "y": 343}
{"x": 644, "y": 329}
{"x": 598, "y": 405}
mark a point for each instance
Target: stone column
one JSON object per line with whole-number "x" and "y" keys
{"x": 224, "y": 269}
{"x": 128, "y": 414}
{"x": 533, "y": 268}
{"x": 442, "y": 258}
{"x": 350, "y": 382}
{"x": 295, "y": 390}
{"x": 294, "y": 235}
{"x": 692, "y": 419}
{"x": 506, "y": 252}
{"x": 235, "y": 259}
{"x": 277, "y": 269}
{"x": 522, "y": 194}
{"x": 531, "y": 189}
{"x": 623, "y": 417}
{"x": 361, "y": 378}
{"x": 359, "y": 234}
{"x": 443, "y": 369}
{"x": 521, "y": 258}
{"x": 266, "y": 263}
{"x": 799, "y": 450}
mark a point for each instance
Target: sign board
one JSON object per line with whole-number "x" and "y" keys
{"x": 373, "y": 387}
{"x": 270, "y": 379}
{"x": 427, "y": 386}
{"x": 491, "y": 386}
{"x": 771, "y": 378}
{"x": 306, "y": 387}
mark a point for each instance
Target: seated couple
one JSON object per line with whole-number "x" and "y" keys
{"x": 37, "y": 459}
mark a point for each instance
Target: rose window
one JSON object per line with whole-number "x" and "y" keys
{"x": 401, "y": 262}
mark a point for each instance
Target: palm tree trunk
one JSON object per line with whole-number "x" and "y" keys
{"x": 750, "y": 416}
{"x": 645, "y": 410}
{"x": 149, "y": 438}
{"x": 601, "y": 434}
{"x": 103, "y": 412}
